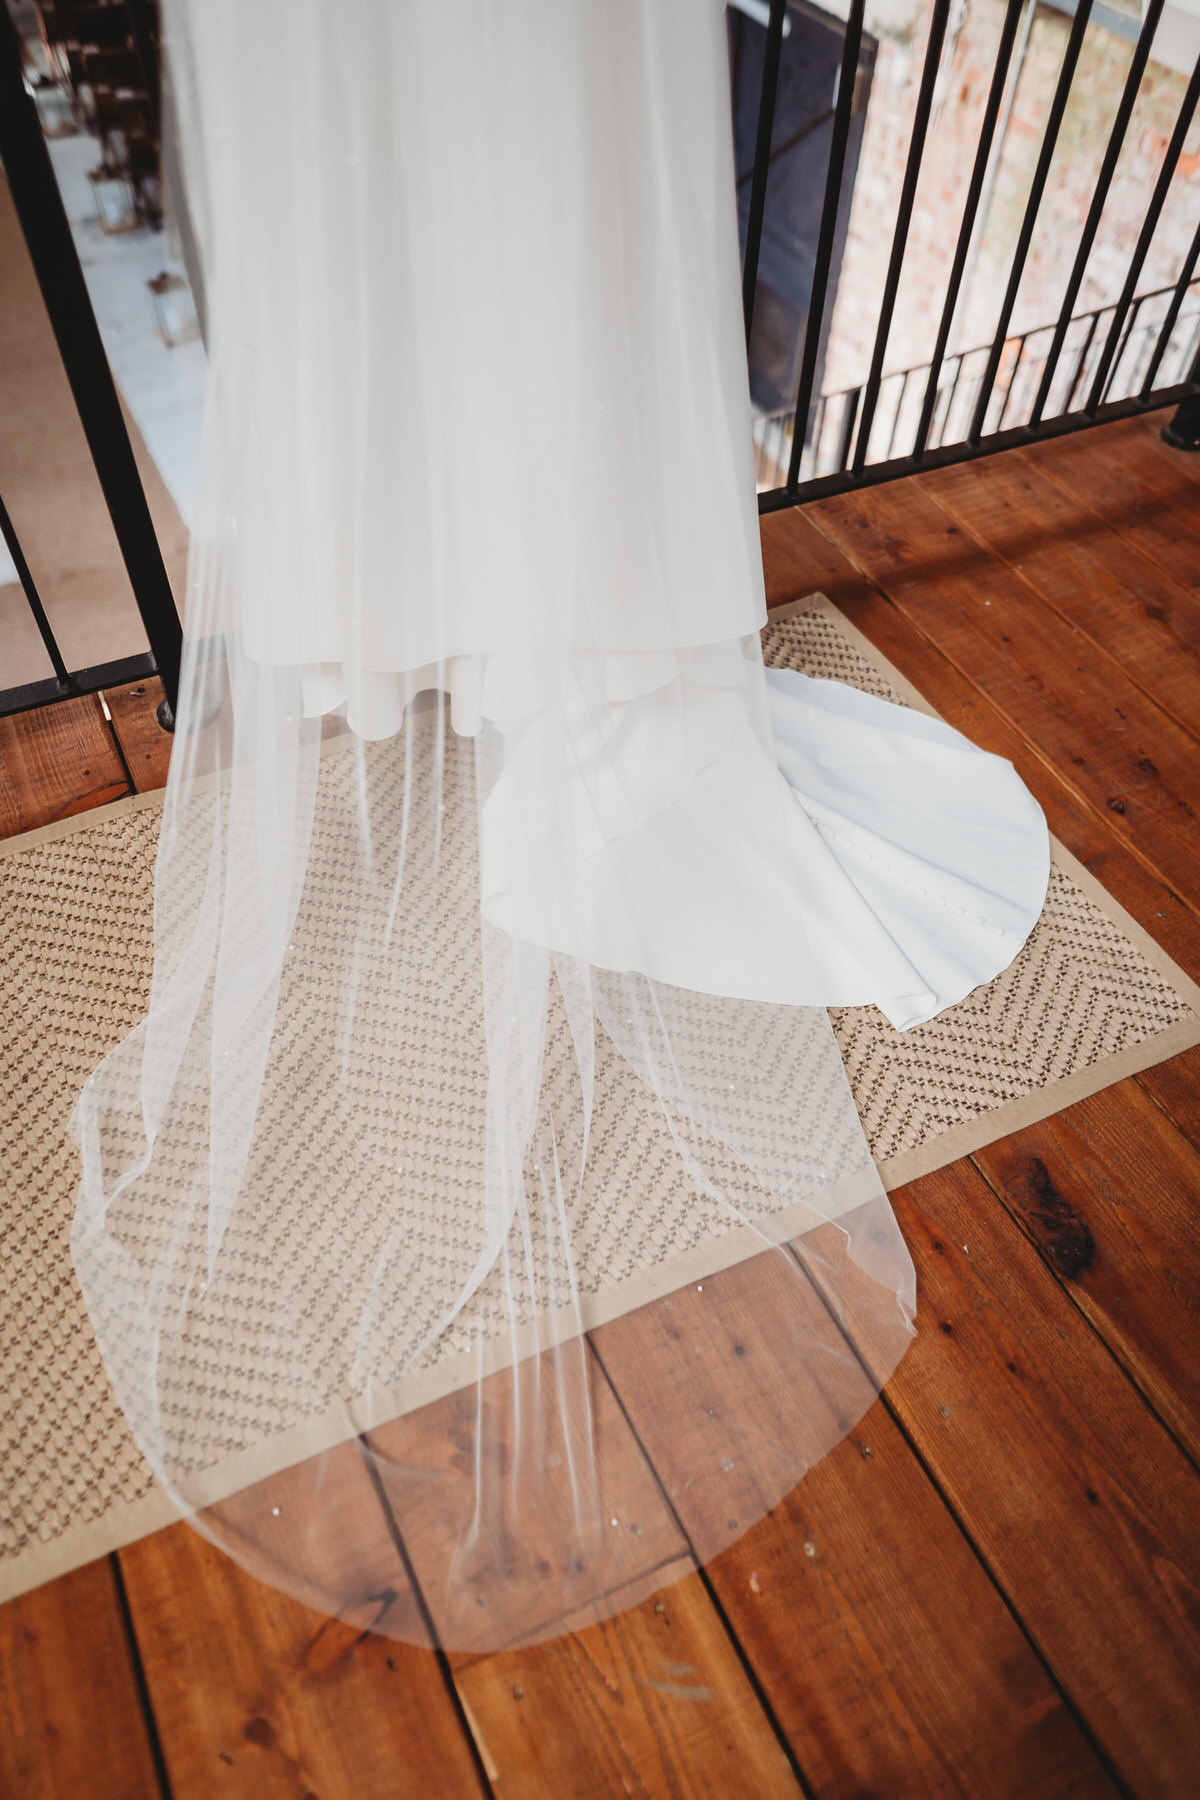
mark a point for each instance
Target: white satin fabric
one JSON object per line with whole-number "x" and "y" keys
{"x": 830, "y": 850}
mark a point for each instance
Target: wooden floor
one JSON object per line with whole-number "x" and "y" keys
{"x": 993, "y": 1587}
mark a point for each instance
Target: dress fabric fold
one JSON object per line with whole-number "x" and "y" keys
{"x": 485, "y": 1174}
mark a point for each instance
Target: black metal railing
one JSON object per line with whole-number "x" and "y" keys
{"x": 1049, "y": 367}
{"x": 849, "y": 441}
{"x": 1139, "y": 352}
{"x": 43, "y": 221}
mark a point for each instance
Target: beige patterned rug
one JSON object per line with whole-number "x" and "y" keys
{"x": 1089, "y": 1000}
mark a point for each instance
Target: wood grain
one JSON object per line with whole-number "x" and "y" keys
{"x": 1117, "y": 750}
{"x": 1143, "y": 494}
{"x": 1134, "y": 612}
{"x": 1082, "y": 1506}
{"x": 56, "y": 762}
{"x": 1109, "y": 1192}
{"x": 800, "y": 560}
{"x": 1019, "y": 1476}
{"x": 257, "y": 1696}
{"x": 1147, "y": 428}
{"x": 463, "y": 1492}
{"x": 71, "y": 1722}
{"x": 1175, "y": 1087}
{"x": 658, "y": 1700}
{"x": 653, "y": 1701}
{"x": 145, "y": 746}
{"x": 887, "y": 1656}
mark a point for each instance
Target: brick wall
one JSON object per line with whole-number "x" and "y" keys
{"x": 967, "y": 60}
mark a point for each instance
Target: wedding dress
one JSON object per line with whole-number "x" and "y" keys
{"x": 485, "y": 1163}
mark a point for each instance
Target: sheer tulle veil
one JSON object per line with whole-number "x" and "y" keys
{"x": 486, "y": 1139}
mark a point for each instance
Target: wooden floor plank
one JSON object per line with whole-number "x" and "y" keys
{"x": 598, "y": 1708}
{"x": 1145, "y": 433}
{"x": 257, "y": 1696}
{"x": 1175, "y": 1087}
{"x": 1083, "y": 1506}
{"x": 884, "y": 1650}
{"x": 56, "y": 762}
{"x": 1136, "y": 614}
{"x": 1145, "y": 497}
{"x": 71, "y": 1723}
{"x": 145, "y": 746}
{"x": 651, "y": 1701}
{"x": 512, "y": 1546}
{"x": 800, "y": 559}
{"x": 1109, "y": 1191}
{"x": 1113, "y": 746}
{"x": 887, "y": 1655}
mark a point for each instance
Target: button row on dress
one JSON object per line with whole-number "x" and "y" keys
{"x": 960, "y": 912}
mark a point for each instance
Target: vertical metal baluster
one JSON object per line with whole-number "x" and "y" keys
{"x": 1116, "y": 139}
{"x": 1012, "y": 379}
{"x": 945, "y": 424}
{"x": 39, "y": 209}
{"x": 987, "y": 132}
{"x": 896, "y": 415}
{"x": 1168, "y": 325}
{"x": 849, "y": 414}
{"x": 762, "y": 159}
{"x": 908, "y": 193}
{"x": 825, "y": 236}
{"x": 1033, "y": 203}
{"x": 1157, "y": 198}
{"x": 1124, "y": 344}
{"x": 818, "y": 432}
{"x": 1081, "y": 364}
{"x": 33, "y": 598}
{"x": 1141, "y": 350}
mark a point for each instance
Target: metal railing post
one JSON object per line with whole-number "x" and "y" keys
{"x": 1116, "y": 139}
{"x": 1080, "y": 365}
{"x": 33, "y": 599}
{"x": 43, "y": 220}
{"x": 908, "y": 194}
{"x": 762, "y": 159}
{"x": 846, "y": 434}
{"x": 1058, "y": 105}
{"x": 987, "y": 132}
{"x": 825, "y": 236}
{"x": 1168, "y": 324}
{"x": 1109, "y": 353}
{"x": 1182, "y": 430}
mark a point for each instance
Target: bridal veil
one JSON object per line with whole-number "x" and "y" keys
{"x": 487, "y": 1044}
